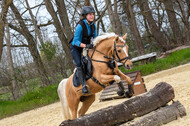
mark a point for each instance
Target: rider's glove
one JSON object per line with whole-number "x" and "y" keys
{"x": 90, "y": 46}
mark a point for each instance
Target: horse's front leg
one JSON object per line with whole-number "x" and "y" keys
{"x": 123, "y": 76}
{"x": 128, "y": 79}
{"x": 105, "y": 79}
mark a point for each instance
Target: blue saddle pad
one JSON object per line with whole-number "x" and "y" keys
{"x": 76, "y": 82}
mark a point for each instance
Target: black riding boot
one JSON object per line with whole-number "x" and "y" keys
{"x": 82, "y": 80}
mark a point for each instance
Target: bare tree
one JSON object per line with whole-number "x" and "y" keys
{"x": 100, "y": 16}
{"x": 15, "y": 89}
{"x": 63, "y": 28}
{"x": 114, "y": 18}
{"x": 188, "y": 5}
{"x": 158, "y": 35}
{"x": 173, "y": 21}
{"x": 133, "y": 27}
{"x": 185, "y": 21}
{"x": 3, "y": 15}
{"x": 32, "y": 47}
{"x": 37, "y": 31}
{"x": 87, "y": 3}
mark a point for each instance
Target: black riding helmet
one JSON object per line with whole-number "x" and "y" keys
{"x": 87, "y": 9}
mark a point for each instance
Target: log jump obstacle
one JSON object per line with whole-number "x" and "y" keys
{"x": 148, "y": 107}
{"x": 113, "y": 92}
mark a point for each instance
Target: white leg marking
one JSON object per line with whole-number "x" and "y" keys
{"x": 117, "y": 78}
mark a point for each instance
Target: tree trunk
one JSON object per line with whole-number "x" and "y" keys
{"x": 149, "y": 35}
{"x": 173, "y": 22}
{"x": 159, "y": 117}
{"x": 188, "y": 5}
{"x": 87, "y": 3}
{"x": 114, "y": 18}
{"x": 100, "y": 17}
{"x": 137, "y": 106}
{"x": 37, "y": 31}
{"x": 64, "y": 19}
{"x": 32, "y": 47}
{"x": 61, "y": 34}
{"x": 15, "y": 89}
{"x": 3, "y": 15}
{"x": 185, "y": 21}
{"x": 111, "y": 14}
{"x": 134, "y": 29}
{"x": 118, "y": 26}
{"x": 158, "y": 35}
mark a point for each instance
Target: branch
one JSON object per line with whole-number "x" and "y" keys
{"x": 15, "y": 28}
{"x": 46, "y": 24}
{"x": 33, "y": 7}
{"x": 102, "y": 14}
{"x": 16, "y": 45}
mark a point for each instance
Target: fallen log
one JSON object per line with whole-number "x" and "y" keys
{"x": 136, "y": 106}
{"x": 159, "y": 116}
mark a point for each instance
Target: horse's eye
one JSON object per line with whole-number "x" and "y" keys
{"x": 118, "y": 51}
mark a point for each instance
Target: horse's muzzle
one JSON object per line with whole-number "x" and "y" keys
{"x": 127, "y": 66}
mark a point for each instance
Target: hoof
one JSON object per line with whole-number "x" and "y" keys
{"x": 120, "y": 93}
{"x": 128, "y": 95}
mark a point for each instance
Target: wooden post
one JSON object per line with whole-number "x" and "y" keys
{"x": 137, "y": 106}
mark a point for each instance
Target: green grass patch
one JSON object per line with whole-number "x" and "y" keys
{"x": 31, "y": 100}
{"x": 175, "y": 59}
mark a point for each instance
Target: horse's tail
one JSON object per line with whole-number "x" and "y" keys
{"x": 63, "y": 99}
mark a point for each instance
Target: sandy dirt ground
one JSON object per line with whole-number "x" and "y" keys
{"x": 50, "y": 115}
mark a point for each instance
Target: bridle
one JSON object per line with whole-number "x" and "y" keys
{"x": 116, "y": 53}
{"x": 113, "y": 55}
{"x": 110, "y": 63}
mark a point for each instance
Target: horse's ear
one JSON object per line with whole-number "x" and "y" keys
{"x": 116, "y": 38}
{"x": 125, "y": 36}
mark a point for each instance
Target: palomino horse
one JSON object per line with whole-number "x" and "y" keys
{"x": 107, "y": 47}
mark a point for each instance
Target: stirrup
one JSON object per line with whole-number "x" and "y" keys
{"x": 87, "y": 87}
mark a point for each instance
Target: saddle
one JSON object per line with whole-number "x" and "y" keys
{"x": 87, "y": 69}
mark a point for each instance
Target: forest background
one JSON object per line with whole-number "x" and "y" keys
{"x": 34, "y": 35}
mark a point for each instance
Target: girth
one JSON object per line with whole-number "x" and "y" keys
{"x": 96, "y": 81}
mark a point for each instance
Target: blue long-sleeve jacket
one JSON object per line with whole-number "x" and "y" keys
{"x": 77, "y": 40}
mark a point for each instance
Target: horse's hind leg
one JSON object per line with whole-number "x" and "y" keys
{"x": 86, "y": 104}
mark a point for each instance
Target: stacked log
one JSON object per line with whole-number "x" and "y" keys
{"x": 160, "y": 116}
{"x": 137, "y": 106}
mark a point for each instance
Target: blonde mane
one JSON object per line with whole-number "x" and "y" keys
{"x": 105, "y": 36}
{"x": 102, "y": 37}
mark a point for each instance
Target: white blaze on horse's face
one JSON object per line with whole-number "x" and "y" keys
{"x": 127, "y": 62}
{"x": 125, "y": 50}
